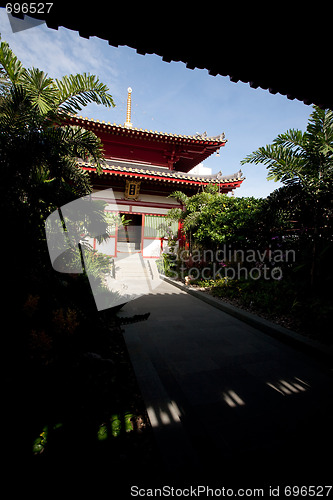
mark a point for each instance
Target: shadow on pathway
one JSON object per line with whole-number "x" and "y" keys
{"x": 228, "y": 403}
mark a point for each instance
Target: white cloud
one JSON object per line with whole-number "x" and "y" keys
{"x": 58, "y": 52}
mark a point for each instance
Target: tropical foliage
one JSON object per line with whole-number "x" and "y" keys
{"x": 39, "y": 151}
{"x": 296, "y": 220}
{"x": 212, "y": 219}
{"x": 51, "y": 318}
{"x": 303, "y": 162}
{"x": 304, "y": 158}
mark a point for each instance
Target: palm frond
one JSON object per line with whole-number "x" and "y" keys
{"x": 297, "y": 157}
{"x": 5, "y": 83}
{"x": 76, "y": 91}
{"x": 320, "y": 119}
{"x": 41, "y": 90}
{"x": 82, "y": 144}
{"x": 282, "y": 162}
{"x": 293, "y": 140}
{"x": 13, "y": 109}
{"x": 71, "y": 175}
{"x": 11, "y": 66}
{"x": 319, "y": 132}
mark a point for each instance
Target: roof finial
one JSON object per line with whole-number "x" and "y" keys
{"x": 128, "y": 123}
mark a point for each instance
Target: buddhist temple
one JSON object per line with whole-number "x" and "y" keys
{"x": 143, "y": 168}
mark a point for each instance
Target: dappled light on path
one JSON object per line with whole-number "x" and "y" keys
{"x": 232, "y": 399}
{"x": 222, "y": 395}
{"x": 288, "y": 387}
{"x": 166, "y": 414}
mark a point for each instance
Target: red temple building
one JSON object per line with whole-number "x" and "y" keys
{"x": 143, "y": 168}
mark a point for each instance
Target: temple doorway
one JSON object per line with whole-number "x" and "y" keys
{"x": 130, "y": 232}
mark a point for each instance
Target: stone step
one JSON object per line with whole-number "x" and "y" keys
{"x": 131, "y": 272}
{"x": 132, "y": 267}
{"x": 121, "y": 275}
{"x": 123, "y": 247}
{"x": 135, "y": 267}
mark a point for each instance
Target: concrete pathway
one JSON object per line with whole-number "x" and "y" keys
{"x": 227, "y": 402}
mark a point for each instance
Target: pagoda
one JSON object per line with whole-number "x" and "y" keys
{"x": 143, "y": 168}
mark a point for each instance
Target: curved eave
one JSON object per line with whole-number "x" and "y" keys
{"x": 231, "y": 182}
{"x": 113, "y": 128}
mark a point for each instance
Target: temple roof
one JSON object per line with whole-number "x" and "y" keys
{"x": 154, "y": 135}
{"x": 175, "y": 151}
{"x": 152, "y": 172}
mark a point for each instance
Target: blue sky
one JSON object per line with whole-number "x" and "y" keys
{"x": 167, "y": 97}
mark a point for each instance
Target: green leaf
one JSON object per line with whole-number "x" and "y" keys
{"x": 11, "y": 67}
{"x": 115, "y": 426}
{"x": 128, "y": 422}
{"x": 40, "y": 90}
{"x": 297, "y": 157}
{"x": 76, "y": 91}
{"x": 102, "y": 433}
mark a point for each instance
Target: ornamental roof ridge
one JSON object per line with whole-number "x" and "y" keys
{"x": 153, "y": 170}
{"x": 197, "y": 136}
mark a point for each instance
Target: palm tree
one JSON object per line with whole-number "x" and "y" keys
{"x": 304, "y": 161}
{"x": 39, "y": 151}
{"x": 300, "y": 157}
{"x": 37, "y": 146}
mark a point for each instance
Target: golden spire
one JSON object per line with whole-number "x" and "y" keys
{"x": 128, "y": 123}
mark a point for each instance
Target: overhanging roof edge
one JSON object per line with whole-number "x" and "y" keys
{"x": 294, "y": 65}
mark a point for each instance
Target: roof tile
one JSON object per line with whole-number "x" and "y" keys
{"x": 141, "y": 169}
